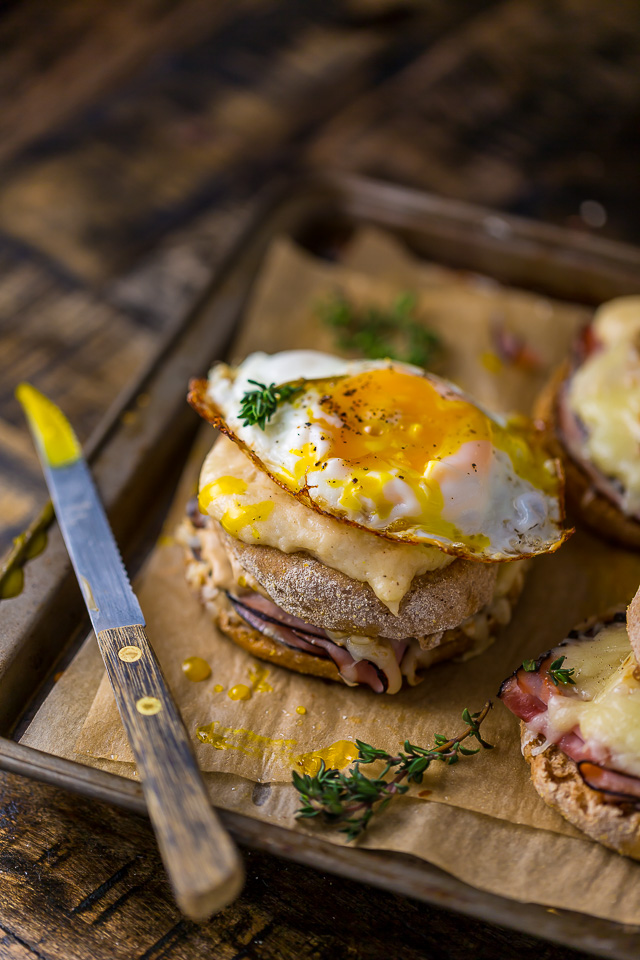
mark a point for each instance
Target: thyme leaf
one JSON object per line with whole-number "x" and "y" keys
{"x": 377, "y": 333}
{"x": 529, "y": 665}
{"x": 351, "y": 798}
{"x": 258, "y": 406}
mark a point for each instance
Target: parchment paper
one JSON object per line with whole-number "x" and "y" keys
{"x": 481, "y": 820}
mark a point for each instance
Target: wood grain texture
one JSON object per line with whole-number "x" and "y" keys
{"x": 74, "y": 347}
{"x": 200, "y": 858}
{"x": 205, "y": 124}
{"x": 80, "y": 880}
{"x": 83, "y": 349}
{"x": 529, "y": 106}
{"x": 48, "y": 46}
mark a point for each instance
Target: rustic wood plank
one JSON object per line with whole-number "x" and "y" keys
{"x": 69, "y": 890}
{"x": 59, "y": 58}
{"x": 158, "y": 290}
{"x": 526, "y": 107}
{"x": 85, "y": 358}
{"x": 202, "y": 127}
{"x": 75, "y": 348}
{"x": 207, "y": 123}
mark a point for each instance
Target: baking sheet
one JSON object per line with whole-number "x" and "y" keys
{"x": 537, "y": 856}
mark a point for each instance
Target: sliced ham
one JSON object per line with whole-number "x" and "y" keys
{"x": 619, "y": 786}
{"x": 193, "y": 512}
{"x": 261, "y": 621}
{"x": 633, "y": 624}
{"x": 266, "y": 617}
{"x": 586, "y": 344}
{"x": 268, "y": 611}
{"x": 526, "y": 693}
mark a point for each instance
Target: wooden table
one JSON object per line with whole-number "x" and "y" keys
{"x": 134, "y": 139}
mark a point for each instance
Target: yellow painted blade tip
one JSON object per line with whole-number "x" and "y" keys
{"x": 53, "y": 433}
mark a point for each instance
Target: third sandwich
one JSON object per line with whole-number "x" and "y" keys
{"x": 592, "y": 408}
{"x": 579, "y": 707}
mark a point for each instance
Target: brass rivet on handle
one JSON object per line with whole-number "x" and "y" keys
{"x": 129, "y": 654}
{"x": 147, "y": 706}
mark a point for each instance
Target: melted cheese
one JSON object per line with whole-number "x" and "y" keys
{"x": 254, "y": 509}
{"x": 605, "y": 394}
{"x": 605, "y": 702}
{"x": 378, "y": 651}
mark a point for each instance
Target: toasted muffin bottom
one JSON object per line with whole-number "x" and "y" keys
{"x": 556, "y": 778}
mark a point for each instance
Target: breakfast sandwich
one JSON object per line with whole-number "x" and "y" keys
{"x": 592, "y": 408}
{"x": 579, "y": 707}
{"x": 363, "y": 520}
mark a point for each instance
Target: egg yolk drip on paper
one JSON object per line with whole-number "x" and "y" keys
{"x": 405, "y": 455}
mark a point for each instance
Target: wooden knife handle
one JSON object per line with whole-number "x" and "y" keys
{"x": 200, "y": 858}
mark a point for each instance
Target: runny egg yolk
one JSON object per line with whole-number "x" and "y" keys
{"x": 394, "y": 416}
{"x": 387, "y": 419}
{"x": 237, "y": 515}
{"x": 219, "y": 488}
{"x": 390, "y": 449}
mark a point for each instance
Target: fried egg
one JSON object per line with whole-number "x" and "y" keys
{"x": 406, "y": 455}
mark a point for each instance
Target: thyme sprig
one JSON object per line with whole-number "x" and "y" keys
{"x": 377, "y": 333}
{"x": 258, "y": 406}
{"x": 556, "y": 671}
{"x": 352, "y": 798}
{"x": 560, "y": 674}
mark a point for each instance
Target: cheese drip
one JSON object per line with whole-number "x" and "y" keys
{"x": 605, "y": 702}
{"x": 605, "y": 394}
{"x": 233, "y": 489}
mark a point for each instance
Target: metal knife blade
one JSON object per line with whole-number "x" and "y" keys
{"x": 94, "y": 553}
{"x": 92, "y": 548}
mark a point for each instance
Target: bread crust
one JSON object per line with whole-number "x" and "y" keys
{"x": 556, "y": 778}
{"x": 320, "y": 595}
{"x": 633, "y": 624}
{"x": 590, "y": 505}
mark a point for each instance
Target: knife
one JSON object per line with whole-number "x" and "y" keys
{"x": 200, "y": 858}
